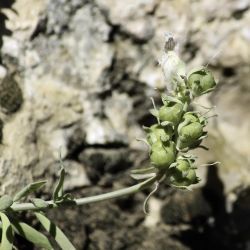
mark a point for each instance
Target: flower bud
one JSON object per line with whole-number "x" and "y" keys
{"x": 183, "y": 174}
{"x": 201, "y": 81}
{"x": 171, "y": 112}
{"x": 191, "y": 132}
{"x": 163, "y": 154}
{"x": 159, "y": 133}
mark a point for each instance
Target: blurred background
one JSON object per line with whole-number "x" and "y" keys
{"x": 79, "y": 74}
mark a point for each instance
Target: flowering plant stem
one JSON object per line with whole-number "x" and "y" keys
{"x": 87, "y": 200}
{"x": 178, "y": 129}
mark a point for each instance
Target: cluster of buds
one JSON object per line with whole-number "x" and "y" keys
{"x": 178, "y": 129}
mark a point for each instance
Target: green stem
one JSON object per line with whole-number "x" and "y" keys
{"x": 87, "y": 200}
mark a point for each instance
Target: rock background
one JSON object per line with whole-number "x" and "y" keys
{"x": 78, "y": 74}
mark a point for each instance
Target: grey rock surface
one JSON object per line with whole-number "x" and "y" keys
{"x": 78, "y": 75}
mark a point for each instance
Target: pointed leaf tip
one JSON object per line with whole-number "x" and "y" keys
{"x": 5, "y": 202}
{"x": 31, "y": 234}
{"x": 30, "y": 188}
{"x": 55, "y": 232}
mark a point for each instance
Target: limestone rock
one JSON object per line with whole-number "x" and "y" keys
{"x": 81, "y": 74}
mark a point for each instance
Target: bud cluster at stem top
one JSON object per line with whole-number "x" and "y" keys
{"x": 178, "y": 129}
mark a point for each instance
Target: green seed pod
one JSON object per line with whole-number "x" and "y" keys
{"x": 172, "y": 112}
{"x": 201, "y": 81}
{"x": 191, "y": 133}
{"x": 190, "y": 179}
{"x": 159, "y": 133}
{"x": 183, "y": 174}
{"x": 188, "y": 145}
{"x": 183, "y": 164}
{"x": 163, "y": 154}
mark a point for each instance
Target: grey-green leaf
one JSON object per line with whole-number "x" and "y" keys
{"x": 154, "y": 112}
{"x": 5, "y": 202}
{"x": 31, "y": 234}
{"x": 58, "y": 192}
{"x": 143, "y": 170}
{"x": 30, "y": 188}
{"x": 142, "y": 176}
{"x": 55, "y": 232}
{"x": 39, "y": 203}
{"x": 7, "y": 233}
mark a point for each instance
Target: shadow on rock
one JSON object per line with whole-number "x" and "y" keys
{"x": 203, "y": 211}
{"x": 4, "y": 31}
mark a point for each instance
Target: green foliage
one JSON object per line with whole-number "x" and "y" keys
{"x": 30, "y": 188}
{"x": 58, "y": 192}
{"x": 7, "y": 233}
{"x": 158, "y": 133}
{"x": 58, "y": 195}
{"x": 5, "y": 202}
{"x": 201, "y": 81}
{"x": 31, "y": 234}
{"x": 26, "y": 231}
{"x": 172, "y": 112}
{"x": 39, "y": 203}
{"x": 55, "y": 232}
{"x": 183, "y": 174}
{"x": 163, "y": 154}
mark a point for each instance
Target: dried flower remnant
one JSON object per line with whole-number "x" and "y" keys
{"x": 177, "y": 128}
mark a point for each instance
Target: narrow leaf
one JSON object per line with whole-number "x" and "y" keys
{"x": 39, "y": 203}
{"x": 143, "y": 170}
{"x": 55, "y": 232}
{"x": 7, "y": 233}
{"x": 154, "y": 112}
{"x": 58, "y": 192}
{"x": 5, "y": 202}
{"x": 181, "y": 187}
{"x": 32, "y": 187}
{"x": 142, "y": 176}
{"x": 31, "y": 234}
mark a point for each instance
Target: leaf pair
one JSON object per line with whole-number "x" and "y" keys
{"x": 31, "y": 234}
{"x": 55, "y": 232}
{"x": 30, "y": 188}
{"x": 9, "y": 228}
{"x": 6, "y": 201}
{"x": 58, "y": 194}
